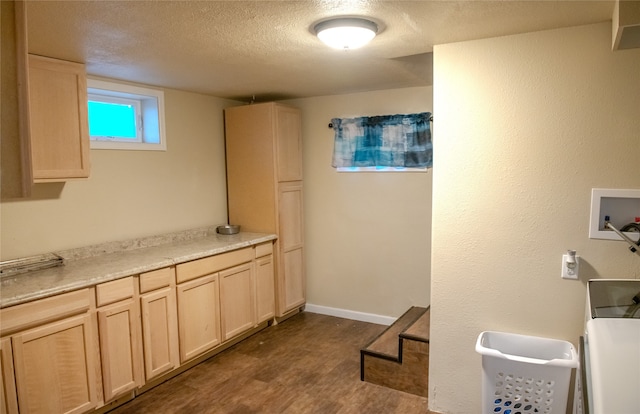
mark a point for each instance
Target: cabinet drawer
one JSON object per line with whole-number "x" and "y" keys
{"x": 264, "y": 249}
{"x": 157, "y": 279}
{"x": 114, "y": 291}
{"x": 39, "y": 312}
{"x": 212, "y": 264}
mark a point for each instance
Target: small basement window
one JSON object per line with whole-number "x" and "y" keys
{"x": 125, "y": 117}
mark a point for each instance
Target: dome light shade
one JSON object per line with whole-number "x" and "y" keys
{"x": 346, "y": 33}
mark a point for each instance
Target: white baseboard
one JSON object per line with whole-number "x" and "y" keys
{"x": 349, "y": 314}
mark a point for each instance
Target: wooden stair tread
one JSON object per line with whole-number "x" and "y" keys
{"x": 387, "y": 342}
{"x": 420, "y": 329}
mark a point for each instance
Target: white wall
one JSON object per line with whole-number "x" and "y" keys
{"x": 131, "y": 194}
{"x": 367, "y": 235}
{"x": 525, "y": 126}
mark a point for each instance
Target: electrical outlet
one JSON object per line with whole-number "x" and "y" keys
{"x": 570, "y": 270}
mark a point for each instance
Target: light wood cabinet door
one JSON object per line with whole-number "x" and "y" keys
{"x": 58, "y": 119}
{"x": 120, "y": 349}
{"x": 288, "y": 143}
{"x": 198, "y": 316}
{"x": 292, "y": 290}
{"x": 291, "y": 272}
{"x": 8, "y": 396}
{"x": 237, "y": 300}
{"x": 55, "y": 367}
{"x": 265, "y": 289}
{"x": 159, "y": 332}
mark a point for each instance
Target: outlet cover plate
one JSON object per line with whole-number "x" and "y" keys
{"x": 570, "y": 273}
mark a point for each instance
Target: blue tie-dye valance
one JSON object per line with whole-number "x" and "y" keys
{"x": 383, "y": 141}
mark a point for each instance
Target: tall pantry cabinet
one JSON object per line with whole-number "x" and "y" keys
{"x": 264, "y": 188}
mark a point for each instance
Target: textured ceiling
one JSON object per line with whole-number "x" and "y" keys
{"x": 266, "y": 49}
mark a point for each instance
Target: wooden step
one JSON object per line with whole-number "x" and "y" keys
{"x": 399, "y": 357}
{"x": 419, "y": 331}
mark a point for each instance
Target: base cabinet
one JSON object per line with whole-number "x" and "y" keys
{"x": 120, "y": 350}
{"x": 79, "y": 351}
{"x": 160, "y": 332}
{"x": 8, "y": 396}
{"x": 237, "y": 300}
{"x": 198, "y": 316}
{"x": 119, "y": 333}
{"x": 55, "y": 367}
{"x": 159, "y": 321}
{"x": 265, "y": 285}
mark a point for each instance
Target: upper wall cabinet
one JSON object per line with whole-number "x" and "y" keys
{"x": 44, "y": 126}
{"x": 626, "y": 25}
{"x": 15, "y": 155}
{"x": 58, "y": 119}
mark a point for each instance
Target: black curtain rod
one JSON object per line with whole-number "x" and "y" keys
{"x": 331, "y": 124}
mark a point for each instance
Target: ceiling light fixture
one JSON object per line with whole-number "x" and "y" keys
{"x": 346, "y": 32}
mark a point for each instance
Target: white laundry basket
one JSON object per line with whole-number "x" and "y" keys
{"x": 525, "y": 374}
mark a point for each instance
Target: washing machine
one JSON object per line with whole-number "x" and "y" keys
{"x": 608, "y": 381}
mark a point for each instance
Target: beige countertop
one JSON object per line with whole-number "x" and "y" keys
{"x": 97, "y": 264}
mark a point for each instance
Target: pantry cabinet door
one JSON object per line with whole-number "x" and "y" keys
{"x": 55, "y": 367}
{"x": 291, "y": 271}
{"x": 288, "y": 143}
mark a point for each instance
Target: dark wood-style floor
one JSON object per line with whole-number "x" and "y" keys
{"x": 309, "y": 363}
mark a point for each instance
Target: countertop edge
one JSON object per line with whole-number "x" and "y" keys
{"x": 88, "y": 272}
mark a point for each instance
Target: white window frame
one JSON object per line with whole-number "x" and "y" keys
{"x": 150, "y": 104}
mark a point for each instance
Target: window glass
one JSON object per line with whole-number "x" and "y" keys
{"x": 113, "y": 120}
